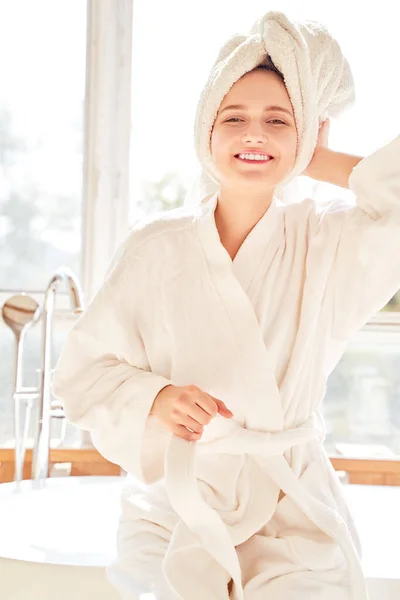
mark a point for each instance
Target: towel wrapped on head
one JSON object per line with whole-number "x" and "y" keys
{"x": 316, "y": 74}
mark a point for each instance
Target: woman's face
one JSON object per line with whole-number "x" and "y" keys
{"x": 258, "y": 126}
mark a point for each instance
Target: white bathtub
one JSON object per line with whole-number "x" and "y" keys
{"x": 56, "y": 542}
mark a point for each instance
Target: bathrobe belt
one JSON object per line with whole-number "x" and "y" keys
{"x": 207, "y": 524}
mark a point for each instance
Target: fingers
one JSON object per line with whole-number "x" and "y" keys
{"x": 194, "y": 409}
{"x": 223, "y": 409}
{"x": 200, "y": 415}
{"x": 192, "y": 416}
{"x": 214, "y": 406}
{"x": 190, "y": 403}
{"x": 206, "y": 403}
{"x": 185, "y": 434}
{"x": 323, "y": 136}
{"x": 190, "y": 423}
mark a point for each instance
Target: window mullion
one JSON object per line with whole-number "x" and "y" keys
{"x": 107, "y": 136}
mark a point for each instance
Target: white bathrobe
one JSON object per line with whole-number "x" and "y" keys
{"x": 262, "y": 333}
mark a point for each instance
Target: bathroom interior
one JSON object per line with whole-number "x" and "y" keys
{"x": 87, "y": 150}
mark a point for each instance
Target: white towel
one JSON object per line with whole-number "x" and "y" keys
{"x": 316, "y": 74}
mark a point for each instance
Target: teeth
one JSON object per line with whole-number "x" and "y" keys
{"x": 254, "y": 157}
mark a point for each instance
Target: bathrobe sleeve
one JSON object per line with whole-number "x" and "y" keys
{"x": 103, "y": 377}
{"x": 366, "y": 266}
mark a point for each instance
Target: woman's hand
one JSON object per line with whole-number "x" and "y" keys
{"x": 329, "y": 166}
{"x": 186, "y": 410}
{"x": 322, "y": 142}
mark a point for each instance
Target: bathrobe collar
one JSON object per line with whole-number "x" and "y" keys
{"x": 245, "y": 264}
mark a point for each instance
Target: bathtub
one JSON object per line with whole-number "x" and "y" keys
{"x": 56, "y": 542}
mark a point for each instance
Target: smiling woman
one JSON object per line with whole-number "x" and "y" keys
{"x": 231, "y": 347}
{"x": 240, "y": 298}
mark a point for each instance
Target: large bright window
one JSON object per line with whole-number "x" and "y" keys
{"x": 42, "y": 92}
{"x": 41, "y": 123}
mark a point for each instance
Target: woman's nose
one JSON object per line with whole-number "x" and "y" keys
{"x": 254, "y": 133}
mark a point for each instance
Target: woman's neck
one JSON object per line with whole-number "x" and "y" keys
{"x": 236, "y": 215}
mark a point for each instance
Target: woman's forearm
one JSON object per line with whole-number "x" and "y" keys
{"x": 334, "y": 167}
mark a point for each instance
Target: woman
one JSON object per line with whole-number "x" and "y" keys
{"x": 201, "y": 364}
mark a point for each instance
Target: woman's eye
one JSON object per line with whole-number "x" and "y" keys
{"x": 271, "y": 121}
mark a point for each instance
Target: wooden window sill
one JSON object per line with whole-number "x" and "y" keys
{"x": 88, "y": 461}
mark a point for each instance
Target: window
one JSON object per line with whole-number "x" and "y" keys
{"x": 361, "y": 404}
{"x": 41, "y": 125}
{"x": 42, "y": 71}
